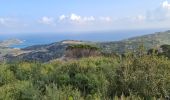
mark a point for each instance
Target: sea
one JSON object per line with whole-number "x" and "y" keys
{"x": 30, "y": 39}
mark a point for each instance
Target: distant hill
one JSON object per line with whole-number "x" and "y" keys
{"x": 6, "y": 49}
{"x": 10, "y": 42}
{"x": 149, "y": 41}
{"x": 56, "y": 50}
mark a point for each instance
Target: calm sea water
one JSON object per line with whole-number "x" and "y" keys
{"x": 45, "y": 38}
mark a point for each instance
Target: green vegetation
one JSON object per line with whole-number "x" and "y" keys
{"x": 165, "y": 50}
{"x": 132, "y": 77}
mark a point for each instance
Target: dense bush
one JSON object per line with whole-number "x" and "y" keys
{"x": 19, "y": 90}
{"x": 132, "y": 77}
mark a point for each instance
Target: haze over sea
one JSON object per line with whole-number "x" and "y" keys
{"x": 30, "y": 39}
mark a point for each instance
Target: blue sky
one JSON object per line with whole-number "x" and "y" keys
{"x": 25, "y": 16}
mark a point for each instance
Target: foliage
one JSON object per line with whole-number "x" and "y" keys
{"x": 20, "y": 90}
{"x": 132, "y": 77}
{"x": 165, "y": 50}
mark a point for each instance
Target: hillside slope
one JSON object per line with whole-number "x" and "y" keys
{"x": 56, "y": 50}
{"x": 45, "y": 52}
{"x": 6, "y": 49}
{"x": 149, "y": 41}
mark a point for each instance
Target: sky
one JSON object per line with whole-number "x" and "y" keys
{"x": 30, "y": 16}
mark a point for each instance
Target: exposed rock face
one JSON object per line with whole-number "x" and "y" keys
{"x": 79, "y": 51}
{"x": 72, "y": 42}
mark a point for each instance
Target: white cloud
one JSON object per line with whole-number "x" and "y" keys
{"x": 47, "y": 20}
{"x": 91, "y": 18}
{"x": 156, "y": 18}
{"x": 74, "y": 17}
{"x": 66, "y": 19}
{"x": 5, "y": 21}
{"x": 77, "y": 19}
{"x": 162, "y": 13}
{"x": 106, "y": 19}
{"x": 134, "y": 19}
{"x": 9, "y": 22}
{"x": 2, "y": 21}
{"x": 159, "y": 15}
{"x": 62, "y": 17}
{"x": 140, "y": 18}
{"x": 166, "y": 5}
{"x": 81, "y": 19}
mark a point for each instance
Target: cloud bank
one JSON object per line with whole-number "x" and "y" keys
{"x": 83, "y": 19}
{"x": 47, "y": 20}
{"x": 8, "y": 22}
{"x": 159, "y": 15}
{"x": 155, "y": 18}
